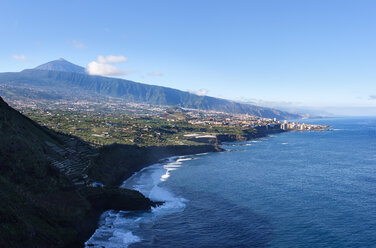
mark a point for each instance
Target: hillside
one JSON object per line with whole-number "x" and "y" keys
{"x": 40, "y": 205}
{"x": 50, "y": 76}
{"x": 45, "y": 194}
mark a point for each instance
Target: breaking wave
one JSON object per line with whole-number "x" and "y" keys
{"x": 116, "y": 228}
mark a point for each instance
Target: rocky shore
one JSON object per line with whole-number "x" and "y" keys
{"x": 259, "y": 132}
{"x": 114, "y": 164}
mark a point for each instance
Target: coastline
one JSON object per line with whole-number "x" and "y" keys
{"x": 112, "y": 232}
{"x": 124, "y": 161}
{"x": 116, "y": 163}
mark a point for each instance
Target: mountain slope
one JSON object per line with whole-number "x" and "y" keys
{"x": 40, "y": 206}
{"x": 61, "y": 65}
{"x": 30, "y": 187}
{"x": 134, "y": 92}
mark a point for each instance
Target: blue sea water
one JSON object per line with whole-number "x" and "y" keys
{"x": 295, "y": 189}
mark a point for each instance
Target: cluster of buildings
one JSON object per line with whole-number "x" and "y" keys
{"x": 245, "y": 120}
{"x": 226, "y": 119}
{"x": 297, "y": 126}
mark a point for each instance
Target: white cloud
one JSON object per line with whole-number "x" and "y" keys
{"x": 200, "y": 92}
{"x": 372, "y": 97}
{"x": 77, "y": 44}
{"x": 102, "y": 66}
{"x": 156, "y": 74}
{"x": 95, "y": 68}
{"x": 111, "y": 59}
{"x": 20, "y": 57}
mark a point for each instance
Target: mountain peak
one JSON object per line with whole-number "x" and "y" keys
{"x": 61, "y": 65}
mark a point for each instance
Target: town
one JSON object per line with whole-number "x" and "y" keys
{"x": 103, "y": 121}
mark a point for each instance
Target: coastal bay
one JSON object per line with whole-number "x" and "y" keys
{"x": 208, "y": 124}
{"x": 281, "y": 191}
{"x": 116, "y": 163}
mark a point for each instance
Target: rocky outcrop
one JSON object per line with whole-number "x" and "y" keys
{"x": 102, "y": 199}
{"x": 257, "y": 132}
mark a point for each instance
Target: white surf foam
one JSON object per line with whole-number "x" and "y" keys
{"x": 114, "y": 230}
{"x": 116, "y": 227}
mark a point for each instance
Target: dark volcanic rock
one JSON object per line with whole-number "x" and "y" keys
{"x": 117, "y": 162}
{"x": 103, "y": 199}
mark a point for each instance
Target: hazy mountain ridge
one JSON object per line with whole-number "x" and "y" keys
{"x": 131, "y": 91}
{"x": 61, "y": 65}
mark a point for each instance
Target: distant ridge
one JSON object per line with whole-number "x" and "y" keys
{"x": 61, "y": 65}
{"x": 61, "y": 75}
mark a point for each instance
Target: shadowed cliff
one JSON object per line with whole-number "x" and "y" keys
{"x": 40, "y": 206}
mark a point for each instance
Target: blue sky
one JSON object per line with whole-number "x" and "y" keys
{"x": 318, "y": 54}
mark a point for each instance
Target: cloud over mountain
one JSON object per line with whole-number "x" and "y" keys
{"x": 200, "y": 92}
{"x": 103, "y": 66}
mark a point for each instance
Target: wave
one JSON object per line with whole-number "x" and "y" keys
{"x": 116, "y": 228}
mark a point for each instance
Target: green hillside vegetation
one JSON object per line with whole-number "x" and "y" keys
{"x": 106, "y": 129}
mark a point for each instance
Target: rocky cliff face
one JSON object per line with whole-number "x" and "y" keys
{"x": 116, "y": 162}
{"x": 257, "y": 132}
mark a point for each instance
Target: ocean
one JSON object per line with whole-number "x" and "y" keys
{"x": 294, "y": 189}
